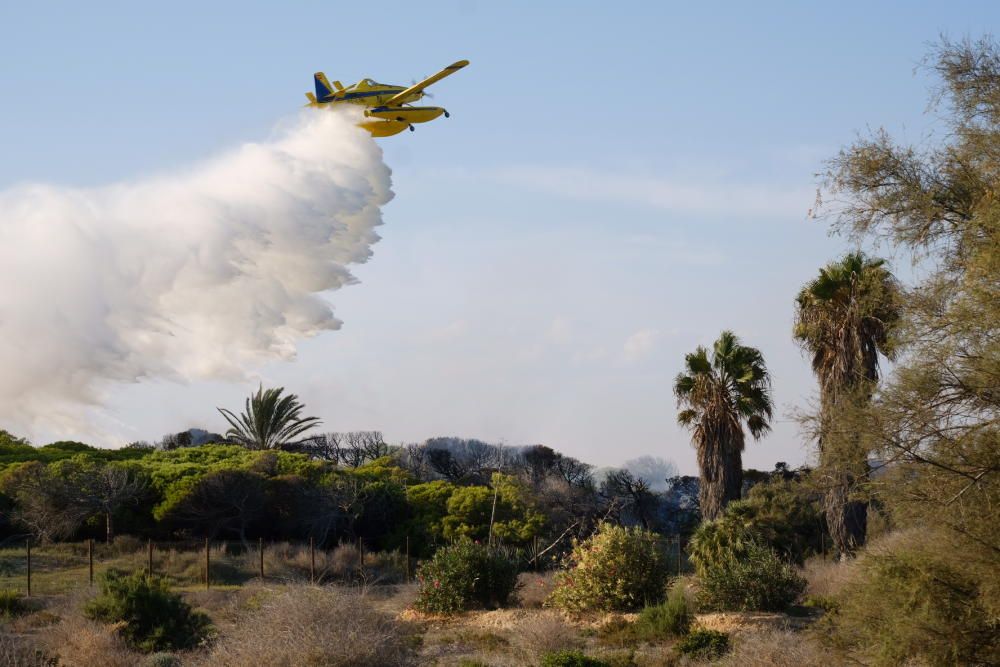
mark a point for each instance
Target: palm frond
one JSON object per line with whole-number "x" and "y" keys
{"x": 269, "y": 420}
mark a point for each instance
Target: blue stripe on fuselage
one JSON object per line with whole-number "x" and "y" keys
{"x": 367, "y": 93}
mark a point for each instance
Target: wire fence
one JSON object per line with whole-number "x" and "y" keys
{"x": 59, "y": 568}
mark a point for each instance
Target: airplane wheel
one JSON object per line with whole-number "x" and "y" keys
{"x": 447, "y": 115}
{"x": 412, "y": 128}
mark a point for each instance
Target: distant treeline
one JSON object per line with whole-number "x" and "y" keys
{"x": 332, "y": 488}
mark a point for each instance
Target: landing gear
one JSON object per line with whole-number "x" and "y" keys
{"x": 447, "y": 115}
{"x": 412, "y": 129}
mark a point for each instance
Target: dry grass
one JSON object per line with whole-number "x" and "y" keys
{"x": 312, "y": 626}
{"x": 21, "y": 652}
{"x": 743, "y": 621}
{"x": 776, "y": 648}
{"x": 825, "y": 577}
{"x": 77, "y": 642}
{"x": 543, "y": 632}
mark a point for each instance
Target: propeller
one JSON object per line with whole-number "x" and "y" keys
{"x": 429, "y": 96}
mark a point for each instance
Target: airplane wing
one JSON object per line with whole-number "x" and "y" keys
{"x": 417, "y": 87}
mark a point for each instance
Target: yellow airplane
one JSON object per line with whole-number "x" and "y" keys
{"x": 388, "y": 109}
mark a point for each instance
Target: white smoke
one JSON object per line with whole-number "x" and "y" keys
{"x": 202, "y": 274}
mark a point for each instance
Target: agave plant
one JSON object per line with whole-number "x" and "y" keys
{"x": 269, "y": 420}
{"x": 720, "y": 392}
{"x": 845, "y": 318}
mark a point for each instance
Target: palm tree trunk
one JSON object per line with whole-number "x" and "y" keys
{"x": 721, "y": 465}
{"x": 846, "y": 519}
{"x": 845, "y": 466}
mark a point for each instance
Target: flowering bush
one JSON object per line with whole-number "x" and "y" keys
{"x": 466, "y": 575}
{"x": 616, "y": 569}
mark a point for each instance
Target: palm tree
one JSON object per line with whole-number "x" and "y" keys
{"x": 268, "y": 421}
{"x": 845, "y": 318}
{"x": 720, "y": 393}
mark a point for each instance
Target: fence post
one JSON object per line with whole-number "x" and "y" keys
{"x": 208, "y": 565}
{"x": 150, "y": 564}
{"x": 312, "y": 559}
{"x": 361, "y": 553}
{"x": 260, "y": 547}
{"x": 28, "y": 546}
{"x": 90, "y": 556}
{"x": 407, "y": 559}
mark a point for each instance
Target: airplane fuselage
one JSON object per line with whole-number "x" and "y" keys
{"x": 386, "y": 120}
{"x": 387, "y": 108}
{"x": 370, "y": 94}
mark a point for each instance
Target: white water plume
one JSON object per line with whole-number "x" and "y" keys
{"x": 205, "y": 273}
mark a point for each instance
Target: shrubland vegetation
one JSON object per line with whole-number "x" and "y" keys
{"x": 904, "y": 492}
{"x": 616, "y": 569}
{"x": 466, "y": 575}
{"x": 152, "y": 618}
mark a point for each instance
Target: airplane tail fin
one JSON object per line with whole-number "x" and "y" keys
{"x": 311, "y": 98}
{"x": 323, "y": 87}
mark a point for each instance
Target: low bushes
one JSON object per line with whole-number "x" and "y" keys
{"x": 570, "y": 659}
{"x": 915, "y": 599}
{"x": 704, "y": 644}
{"x": 151, "y": 617}
{"x": 671, "y": 618}
{"x": 656, "y": 623}
{"x": 755, "y": 580}
{"x": 466, "y": 575}
{"x": 616, "y": 569}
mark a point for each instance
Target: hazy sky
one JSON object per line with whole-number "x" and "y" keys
{"x": 618, "y": 183}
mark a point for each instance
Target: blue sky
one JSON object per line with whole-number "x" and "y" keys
{"x": 618, "y": 182}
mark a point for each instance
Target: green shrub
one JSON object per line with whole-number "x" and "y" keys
{"x": 757, "y": 581}
{"x": 12, "y": 604}
{"x": 671, "y": 618}
{"x": 616, "y": 569}
{"x": 717, "y": 541}
{"x": 916, "y": 602}
{"x": 570, "y": 659}
{"x": 505, "y": 505}
{"x": 782, "y": 515}
{"x": 152, "y": 617}
{"x": 466, "y": 575}
{"x": 704, "y": 644}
